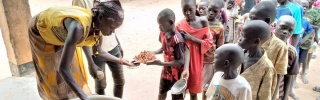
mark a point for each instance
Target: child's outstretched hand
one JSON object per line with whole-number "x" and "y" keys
{"x": 154, "y": 62}
{"x": 186, "y": 35}
{"x": 185, "y": 74}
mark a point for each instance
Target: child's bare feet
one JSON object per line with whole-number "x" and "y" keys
{"x": 295, "y": 84}
{"x": 317, "y": 89}
{"x": 304, "y": 79}
{"x": 294, "y": 96}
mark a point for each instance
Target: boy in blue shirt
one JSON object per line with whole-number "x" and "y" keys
{"x": 286, "y": 7}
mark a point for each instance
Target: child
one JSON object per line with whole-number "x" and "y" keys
{"x": 202, "y": 8}
{"x": 217, "y": 32}
{"x": 305, "y": 42}
{"x": 284, "y": 30}
{"x": 226, "y": 83}
{"x": 198, "y": 40}
{"x": 275, "y": 48}
{"x": 257, "y": 68}
{"x": 173, "y": 48}
{"x": 296, "y": 11}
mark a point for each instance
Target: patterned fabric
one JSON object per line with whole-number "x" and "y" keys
{"x": 197, "y": 52}
{"x": 173, "y": 49}
{"x": 292, "y": 69}
{"x": 217, "y": 32}
{"x": 294, "y": 10}
{"x": 262, "y": 78}
{"x": 277, "y": 52}
{"x": 313, "y": 15}
{"x": 230, "y": 89}
{"x": 46, "y": 58}
{"x": 293, "y": 63}
{"x": 307, "y": 30}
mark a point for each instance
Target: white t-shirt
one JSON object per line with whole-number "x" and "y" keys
{"x": 109, "y": 42}
{"x": 233, "y": 89}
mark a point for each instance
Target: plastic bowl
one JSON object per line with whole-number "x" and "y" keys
{"x": 99, "y": 97}
{"x": 179, "y": 87}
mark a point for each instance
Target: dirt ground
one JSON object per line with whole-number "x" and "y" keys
{"x": 140, "y": 32}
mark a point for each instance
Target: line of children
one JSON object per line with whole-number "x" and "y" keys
{"x": 257, "y": 68}
{"x": 276, "y": 49}
{"x": 217, "y": 32}
{"x": 284, "y": 30}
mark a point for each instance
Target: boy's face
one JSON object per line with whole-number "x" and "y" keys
{"x": 284, "y": 30}
{"x": 213, "y": 11}
{"x": 305, "y": 5}
{"x": 230, "y": 4}
{"x": 189, "y": 10}
{"x": 164, "y": 24}
{"x": 202, "y": 8}
{"x": 246, "y": 41}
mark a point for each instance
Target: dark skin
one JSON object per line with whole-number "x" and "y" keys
{"x": 202, "y": 8}
{"x": 226, "y": 63}
{"x": 75, "y": 32}
{"x": 167, "y": 26}
{"x": 189, "y": 12}
{"x": 256, "y": 16}
{"x": 213, "y": 13}
{"x": 284, "y": 30}
{"x": 305, "y": 66}
{"x": 295, "y": 37}
{"x": 252, "y": 45}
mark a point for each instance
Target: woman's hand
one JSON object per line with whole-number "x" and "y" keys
{"x": 95, "y": 71}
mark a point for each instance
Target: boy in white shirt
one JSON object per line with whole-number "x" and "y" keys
{"x": 226, "y": 83}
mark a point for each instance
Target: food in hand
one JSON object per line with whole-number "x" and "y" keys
{"x": 145, "y": 56}
{"x": 100, "y": 75}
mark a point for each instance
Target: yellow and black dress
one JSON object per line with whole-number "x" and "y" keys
{"x": 47, "y": 35}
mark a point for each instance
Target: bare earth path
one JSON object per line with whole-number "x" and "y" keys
{"x": 140, "y": 32}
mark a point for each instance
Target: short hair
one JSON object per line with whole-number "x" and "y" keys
{"x": 288, "y": 19}
{"x": 233, "y": 53}
{"x": 167, "y": 13}
{"x": 258, "y": 29}
{"x": 266, "y": 8}
{"x": 187, "y": 1}
{"x": 218, "y": 3}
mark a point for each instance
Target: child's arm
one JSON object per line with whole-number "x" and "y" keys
{"x": 220, "y": 40}
{"x": 159, "y": 51}
{"x": 267, "y": 87}
{"x": 309, "y": 30}
{"x": 185, "y": 73}
{"x": 178, "y": 49}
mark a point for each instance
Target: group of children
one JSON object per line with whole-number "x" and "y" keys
{"x": 263, "y": 64}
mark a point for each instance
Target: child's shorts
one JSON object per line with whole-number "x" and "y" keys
{"x": 303, "y": 55}
{"x": 165, "y": 86}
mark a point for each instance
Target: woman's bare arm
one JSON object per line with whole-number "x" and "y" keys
{"x": 74, "y": 34}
